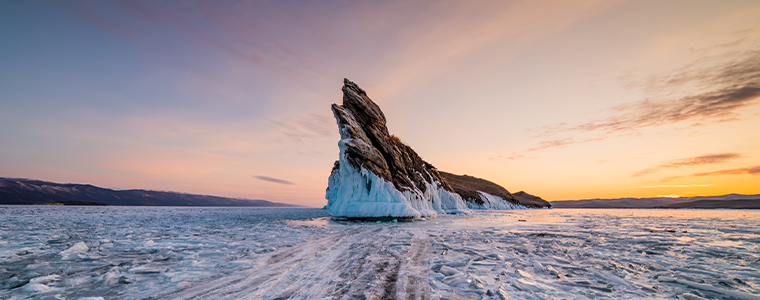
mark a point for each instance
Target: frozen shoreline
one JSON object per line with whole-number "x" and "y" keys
{"x": 233, "y": 253}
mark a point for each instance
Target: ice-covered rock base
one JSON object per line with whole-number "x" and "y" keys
{"x": 494, "y": 202}
{"x": 355, "y": 193}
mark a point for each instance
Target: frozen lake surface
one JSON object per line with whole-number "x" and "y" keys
{"x": 254, "y": 253}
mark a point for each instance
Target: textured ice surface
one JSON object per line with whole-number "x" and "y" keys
{"x": 241, "y": 253}
{"x": 135, "y": 252}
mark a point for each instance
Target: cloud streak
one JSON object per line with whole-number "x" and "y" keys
{"x": 275, "y": 180}
{"x": 727, "y": 83}
{"x": 718, "y": 87}
{"x": 306, "y": 127}
{"x": 672, "y": 186}
{"x": 716, "y": 105}
{"x": 738, "y": 171}
{"x": 545, "y": 145}
{"x": 750, "y": 170}
{"x": 692, "y": 161}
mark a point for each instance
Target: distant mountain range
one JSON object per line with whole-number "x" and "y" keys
{"x": 725, "y": 201}
{"x": 27, "y": 191}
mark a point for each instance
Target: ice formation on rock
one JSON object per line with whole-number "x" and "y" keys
{"x": 376, "y": 174}
{"x": 494, "y": 202}
{"x": 480, "y": 193}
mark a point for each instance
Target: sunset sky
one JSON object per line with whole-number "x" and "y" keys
{"x": 564, "y": 100}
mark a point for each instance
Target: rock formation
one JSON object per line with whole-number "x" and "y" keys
{"x": 479, "y": 193}
{"x": 529, "y": 200}
{"x": 376, "y": 175}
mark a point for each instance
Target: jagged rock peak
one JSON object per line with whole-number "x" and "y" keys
{"x": 376, "y": 174}
{"x": 356, "y": 100}
{"x": 371, "y": 145}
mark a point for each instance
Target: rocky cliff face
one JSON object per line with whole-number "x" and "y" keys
{"x": 529, "y": 200}
{"x": 481, "y": 193}
{"x": 376, "y": 175}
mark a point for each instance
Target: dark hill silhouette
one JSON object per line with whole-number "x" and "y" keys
{"x": 28, "y": 191}
{"x": 724, "y": 201}
{"x": 708, "y": 204}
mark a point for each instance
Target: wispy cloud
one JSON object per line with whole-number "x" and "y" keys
{"x": 310, "y": 126}
{"x": 742, "y": 32}
{"x": 738, "y": 171}
{"x": 544, "y": 145}
{"x": 727, "y": 83}
{"x": 717, "y": 88}
{"x": 553, "y": 143}
{"x": 716, "y": 106}
{"x": 692, "y": 161}
{"x": 671, "y": 186}
{"x": 275, "y": 180}
{"x": 751, "y": 170}
{"x": 510, "y": 157}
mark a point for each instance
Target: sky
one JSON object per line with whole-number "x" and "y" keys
{"x": 562, "y": 99}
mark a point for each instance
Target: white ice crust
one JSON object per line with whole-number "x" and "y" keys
{"x": 494, "y": 202}
{"x": 262, "y": 253}
{"x": 361, "y": 193}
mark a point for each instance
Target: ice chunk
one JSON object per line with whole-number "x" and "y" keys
{"x": 484, "y": 264}
{"x": 111, "y": 277}
{"x": 458, "y": 280}
{"x": 693, "y": 297}
{"x": 33, "y": 288}
{"x": 77, "y": 248}
{"x": 610, "y": 278}
{"x": 465, "y": 281}
{"x": 502, "y": 293}
{"x": 538, "y": 267}
{"x": 721, "y": 291}
{"x": 553, "y": 271}
{"x": 45, "y": 279}
{"x": 449, "y": 271}
{"x": 527, "y": 285}
{"x": 523, "y": 274}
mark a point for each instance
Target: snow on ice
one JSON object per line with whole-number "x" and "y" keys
{"x": 248, "y": 253}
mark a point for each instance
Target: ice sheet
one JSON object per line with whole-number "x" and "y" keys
{"x": 236, "y": 253}
{"x": 134, "y": 252}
